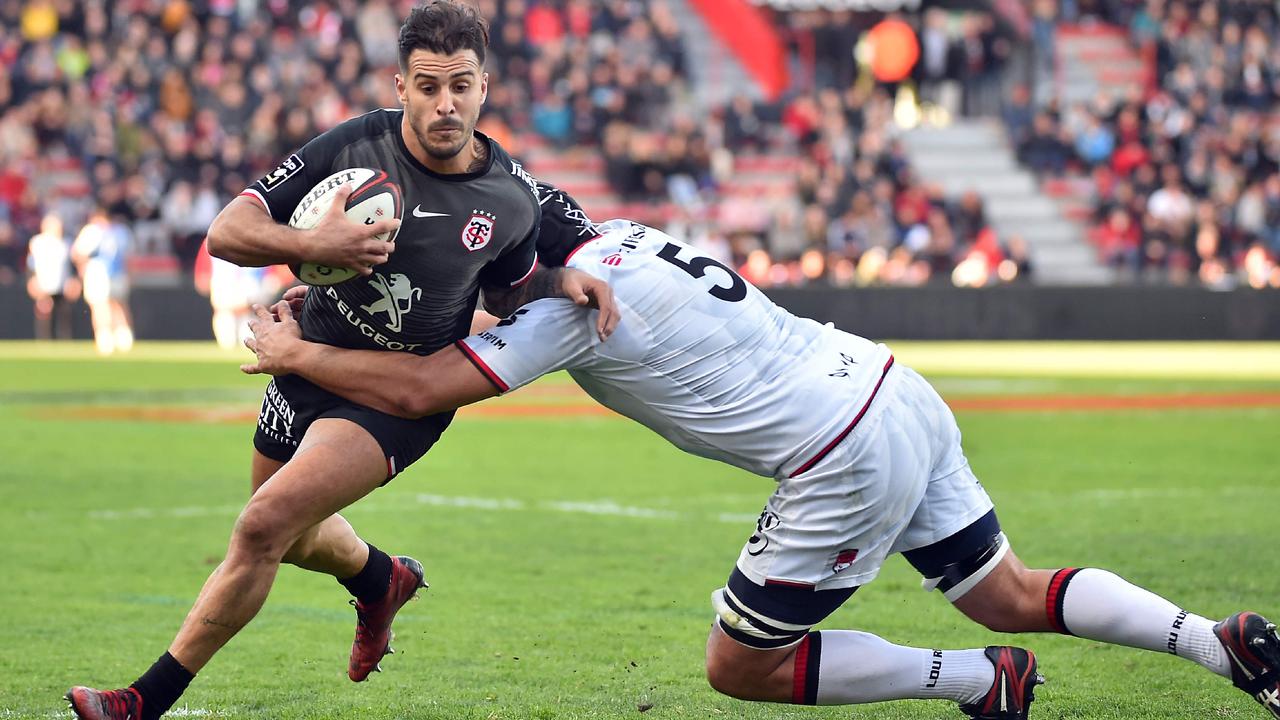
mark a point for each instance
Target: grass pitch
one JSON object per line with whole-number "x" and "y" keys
{"x": 571, "y": 555}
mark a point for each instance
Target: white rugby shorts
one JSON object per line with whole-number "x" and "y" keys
{"x": 899, "y": 481}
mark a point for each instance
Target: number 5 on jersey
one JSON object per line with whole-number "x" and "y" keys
{"x": 697, "y": 267}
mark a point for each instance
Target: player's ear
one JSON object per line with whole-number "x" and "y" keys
{"x": 484, "y": 87}
{"x": 402, "y": 90}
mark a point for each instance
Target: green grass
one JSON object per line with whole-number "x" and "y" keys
{"x": 538, "y": 611}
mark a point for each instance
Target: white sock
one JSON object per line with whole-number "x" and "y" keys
{"x": 857, "y": 667}
{"x": 124, "y": 338}
{"x": 1100, "y": 605}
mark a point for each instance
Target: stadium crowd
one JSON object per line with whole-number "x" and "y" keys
{"x": 1187, "y": 173}
{"x": 159, "y": 111}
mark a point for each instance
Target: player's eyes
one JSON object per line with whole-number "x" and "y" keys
{"x": 461, "y": 87}
{"x": 428, "y": 89}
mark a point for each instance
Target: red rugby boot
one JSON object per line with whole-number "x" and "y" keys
{"x": 373, "y": 621}
{"x": 1013, "y": 690}
{"x": 90, "y": 704}
{"x": 1254, "y": 650}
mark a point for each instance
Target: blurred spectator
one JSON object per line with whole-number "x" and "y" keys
{"x": 982, "y": 54}
{"x": 969, "y": 216}
{"x": 101, "y": 252}
{"x": 1170, "y": 207}
{"x": 1044, "y": 152}
{"x": 12, "y": 252}
{"x": 743, "y": 129}
{"x": 52, "y": 286}
{"x": 939, "y": 67}
{"x": 1095, "y": 143}
{"x": 1044, "y": 15}
{"x": 1018, "y": 115}
{"x": 232, "y": 291}
{"x": 1018, "y": 266}
{"x": 1120, "y": 241}
{"x": 1271, "y": 221}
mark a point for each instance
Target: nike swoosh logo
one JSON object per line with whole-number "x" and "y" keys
{"x": 419, "y": 212}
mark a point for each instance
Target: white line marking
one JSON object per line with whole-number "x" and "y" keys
{"x": 478, "y": 503}
{"x": 582, "y": 507}
{"x": 608, "y": 507}
{"x": 175, "y": 512}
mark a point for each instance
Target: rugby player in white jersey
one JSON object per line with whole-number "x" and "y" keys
{"x": 866, "y": 457}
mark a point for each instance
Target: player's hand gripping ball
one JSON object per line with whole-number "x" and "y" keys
{"x": 374, "y": 197}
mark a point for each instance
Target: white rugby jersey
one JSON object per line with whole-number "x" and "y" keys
{"x": 700, "y": 356}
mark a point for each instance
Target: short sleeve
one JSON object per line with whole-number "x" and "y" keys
{"x": 539, "y": 338}
{"x": 280, "y": 190}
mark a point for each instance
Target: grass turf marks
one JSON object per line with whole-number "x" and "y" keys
{"x": 571, "y": 558}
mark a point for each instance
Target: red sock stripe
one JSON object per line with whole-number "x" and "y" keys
{"x": 804, "y": 683}
{"x": 802, "y": 666}
{"x": 1054, "y": 597}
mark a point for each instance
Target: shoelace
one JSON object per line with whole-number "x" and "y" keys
{"x": 362, "y": 619}
{"x": 120, "y": 703}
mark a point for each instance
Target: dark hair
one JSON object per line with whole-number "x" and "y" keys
{"x": 444, "y": 27}
{"x": 564, "y": 225}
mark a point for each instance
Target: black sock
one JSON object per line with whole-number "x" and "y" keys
{"x": 161, "y": 686}
{"x": 371, "y": 583}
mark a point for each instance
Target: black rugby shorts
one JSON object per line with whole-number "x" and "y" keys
{"x": 291, "y": 403}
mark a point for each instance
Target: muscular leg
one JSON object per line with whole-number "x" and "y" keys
{"x": 831, "y": 667}
{"x": 747, "y": 673}
{"x": 761, "y": 647}
{"x": 121, "y": 325}
{"x": 1093, "y": 604}
{"x": 841, "y": 667}
{"x": 43, "y": 307}
{"x": 331, "y": 547}
{"x": 225, "y": 331}
{"x": 103, "y": 334}
{"x": 1011, "y": 599}
{"x": 61, "y": 321}
{"x": 336, "y": 464}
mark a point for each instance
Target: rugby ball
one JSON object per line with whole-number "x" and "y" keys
{"x": 375, "y": 197}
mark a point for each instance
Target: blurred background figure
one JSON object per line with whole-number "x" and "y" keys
{"x": 101, "y": 252}
{"x": 52, "y": 285}
{"x": 232, "y": 291}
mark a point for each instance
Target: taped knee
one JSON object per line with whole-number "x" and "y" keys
{"x": 958, "y": 578}
{"x": 750, "y": 628}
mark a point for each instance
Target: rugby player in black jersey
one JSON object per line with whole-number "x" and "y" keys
{"x": 471, "y": 224}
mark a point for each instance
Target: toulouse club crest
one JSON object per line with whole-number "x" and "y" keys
{"x": 478, "y": 231}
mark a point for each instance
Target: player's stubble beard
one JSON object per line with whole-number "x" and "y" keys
{"x": 444, "y": 152}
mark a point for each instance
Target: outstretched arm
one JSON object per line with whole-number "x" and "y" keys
{"x": 395, "y": 383}
{"x": 583, "y": 289}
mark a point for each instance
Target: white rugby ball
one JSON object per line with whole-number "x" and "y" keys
{"x": 374, "y": 197}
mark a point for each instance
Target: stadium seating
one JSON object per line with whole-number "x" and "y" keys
{"x": 645, "y": 114}
{"x": 1162, "y": 136}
